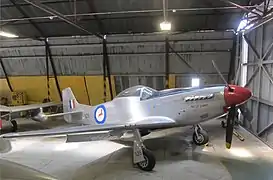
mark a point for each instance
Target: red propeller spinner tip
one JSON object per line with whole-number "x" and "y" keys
{"x": 236, "y": 95}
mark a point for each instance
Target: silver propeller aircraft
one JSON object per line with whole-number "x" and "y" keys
{"x": 141, "y": 109}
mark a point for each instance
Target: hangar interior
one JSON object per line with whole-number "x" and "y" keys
{"x": 100, "y": 48}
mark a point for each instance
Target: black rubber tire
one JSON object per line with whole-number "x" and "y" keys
{"x": 204, "y": 140}
{"x": 14, "y": 126}
{"x": 149, "y": 160}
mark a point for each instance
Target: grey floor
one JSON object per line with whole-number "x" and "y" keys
{"x": 177, "y": 157}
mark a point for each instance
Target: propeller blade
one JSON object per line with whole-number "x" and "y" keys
{"x": 236, "y": 79}
{"x": 218, "y": 71}
{"x": 230, "y": 126}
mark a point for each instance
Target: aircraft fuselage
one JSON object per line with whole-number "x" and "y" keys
{"x": 185, "y": 106}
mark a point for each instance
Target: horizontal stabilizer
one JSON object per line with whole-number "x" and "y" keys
{"x": 66, "y": 113}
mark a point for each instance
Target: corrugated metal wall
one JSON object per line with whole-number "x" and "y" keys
{"x": 134, "y": 59}
{"x": 260, "y": 80}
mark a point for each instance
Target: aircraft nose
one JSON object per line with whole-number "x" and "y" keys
{"x": 237, "y": 95}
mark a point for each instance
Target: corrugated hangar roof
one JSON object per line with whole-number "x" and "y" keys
{"x": 118, "y": 16}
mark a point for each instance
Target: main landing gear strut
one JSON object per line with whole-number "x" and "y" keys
{"x": 200, "y": 136}
{"x": 142, "y": 156}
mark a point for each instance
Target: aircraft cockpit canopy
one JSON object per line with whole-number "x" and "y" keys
{"x": 143, "y": 92}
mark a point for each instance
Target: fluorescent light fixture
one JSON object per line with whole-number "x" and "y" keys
{"x": 165, "y": 26}
{"x": 195, "y": 82}
{"x": 6, "y": 34}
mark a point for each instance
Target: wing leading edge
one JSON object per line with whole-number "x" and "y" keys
{"x": 149, "y": 122}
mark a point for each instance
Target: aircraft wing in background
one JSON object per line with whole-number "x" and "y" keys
{"x": 26, "y": 107}
{"x": 147, "y": 122}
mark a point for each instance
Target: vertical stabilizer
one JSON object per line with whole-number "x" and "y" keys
{"x": 70, "y": 103}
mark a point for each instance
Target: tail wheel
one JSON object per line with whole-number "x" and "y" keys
{"x": 201, "y": 138}
{"x": 149, "y": 163}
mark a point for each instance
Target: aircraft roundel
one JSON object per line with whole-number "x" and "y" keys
{"x": 100, "y": 114}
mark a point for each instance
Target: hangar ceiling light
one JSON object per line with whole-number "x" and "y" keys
{"x": 165, "y": 25}
{"x": 9, "y": 35}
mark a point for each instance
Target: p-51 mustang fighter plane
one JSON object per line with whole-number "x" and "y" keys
{"x": 141, "y": 109}
{"x": 6, "y": 112}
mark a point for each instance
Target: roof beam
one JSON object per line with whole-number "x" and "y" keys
{"x": 26, "y": 16}
{"x": 241, "y": 7}
{"x": 93, "y": 9}
{"x": 131, "y": 12}
{"x": 51, "y": 11}
{"x": 266, "y": 19}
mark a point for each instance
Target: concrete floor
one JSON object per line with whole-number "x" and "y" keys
{"x": 176, "y": 157}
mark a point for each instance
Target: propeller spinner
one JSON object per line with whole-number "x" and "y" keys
{"x": 234, "y": 96}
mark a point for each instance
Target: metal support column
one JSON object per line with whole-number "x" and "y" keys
{"x": 106, "y": 70}
{"x": 6, "y": 75}
{"x": 167, "y": 62}
{"x": 53, "y": 68}
{"x": 238, "y": 59}
{"x": 231, "y": 73}
{"x": 47, "y": 74}
{"x": 104, "y": 75}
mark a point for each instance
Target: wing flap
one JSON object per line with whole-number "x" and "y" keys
{"x": 150, "y": 122}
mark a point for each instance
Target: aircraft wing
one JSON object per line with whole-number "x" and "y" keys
{"x": 4, "y": 108}
{"x": 148, "y": 122}
{"x": 26, "y": 107}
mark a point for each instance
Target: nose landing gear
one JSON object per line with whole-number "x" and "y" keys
{"x": 200, "y": 136}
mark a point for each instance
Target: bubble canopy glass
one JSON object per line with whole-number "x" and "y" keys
{"x": 143, "y": 92}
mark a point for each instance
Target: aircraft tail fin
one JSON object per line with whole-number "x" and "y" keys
{"x": 69, "y": 101}
{"x": 70, "y": 105}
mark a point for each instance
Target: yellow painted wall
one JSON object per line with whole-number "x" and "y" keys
{"x": 76, "y": 83}
{"x": 36, "y": 87}
{"x": 171, "y": 81}
{"x": 4, "y": 86}
{"x": 96, "y": 89}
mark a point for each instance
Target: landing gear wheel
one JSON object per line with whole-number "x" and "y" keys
{"x": 14, "y": 126}
{"x": 201, "y": 138}
{"x": 149, "y": 163}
